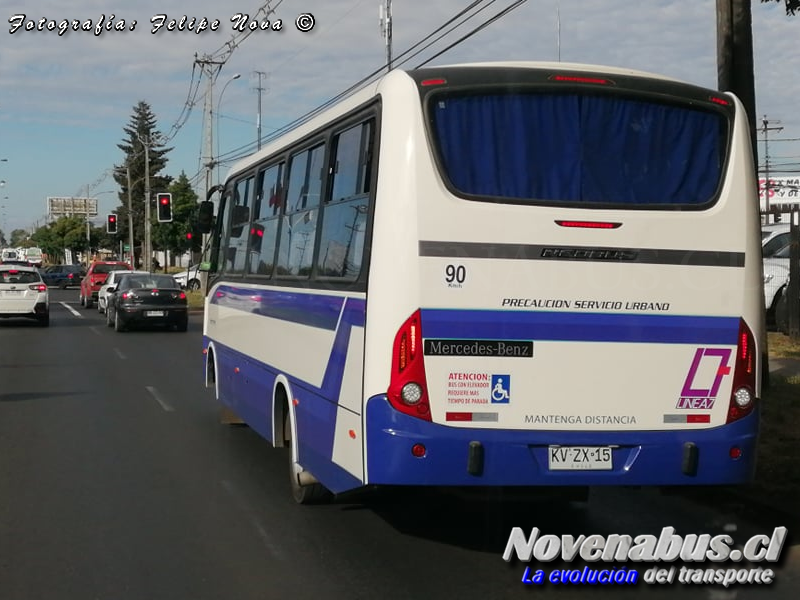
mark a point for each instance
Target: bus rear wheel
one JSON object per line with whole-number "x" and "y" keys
{"x": 305, "y": 489}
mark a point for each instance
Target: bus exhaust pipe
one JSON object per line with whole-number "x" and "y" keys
{"x": 305, "y": 478}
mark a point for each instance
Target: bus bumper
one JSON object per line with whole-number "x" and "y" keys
{"x": 457, "y": 456}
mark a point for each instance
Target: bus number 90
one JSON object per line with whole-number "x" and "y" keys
{"x": 455, "y": 273}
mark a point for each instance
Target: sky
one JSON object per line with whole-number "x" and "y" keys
{"x": 65, "y": 99}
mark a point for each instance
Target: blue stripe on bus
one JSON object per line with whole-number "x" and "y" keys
{"x": 315, "y": 310}
{"x": 315, "y": 411}
{"x": 519, "y": 457}
{"x": 578, "y": 326}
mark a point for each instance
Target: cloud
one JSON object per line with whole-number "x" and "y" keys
{"x": 77, "y": 90}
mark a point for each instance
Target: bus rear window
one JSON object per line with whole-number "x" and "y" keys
{"x": 579, "y": 149}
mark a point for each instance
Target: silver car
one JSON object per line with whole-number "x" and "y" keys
{"x": 23, "y": 294}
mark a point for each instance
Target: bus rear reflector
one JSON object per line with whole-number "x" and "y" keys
{"x": 408, "y": 388}
{"x": 743, "y": 392}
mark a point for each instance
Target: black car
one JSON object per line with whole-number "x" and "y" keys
{"x": 146, "y": 299}
{"x": 63, "y": 276}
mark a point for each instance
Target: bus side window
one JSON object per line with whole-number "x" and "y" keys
{"x": 264, "y": 230}
{"x": 344, "y": 220}
{"x": 236, "y": 253}
{"x": 299, "y": 224}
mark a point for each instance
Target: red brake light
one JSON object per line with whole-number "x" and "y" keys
{"x": 436, "y": 81}
{"x": 743, "y": 392}
{"x": 581, "y": 79}
{"x": 589, "y": 224}
{"x": 718, "y": 100}
{"x": 408, "y": 388}
{"x": 39, "y": 287}
{"x": 182, "y": 295}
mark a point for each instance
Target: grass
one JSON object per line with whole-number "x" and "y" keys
{"x": 782, "y": 346}
{"x": 195, "y": 299}
{"x": 777, "y": 479}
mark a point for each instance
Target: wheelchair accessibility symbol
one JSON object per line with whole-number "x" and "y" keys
{"x": 501, "y": 389}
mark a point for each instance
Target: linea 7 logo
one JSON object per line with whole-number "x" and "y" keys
{"x": 703, "y": 398}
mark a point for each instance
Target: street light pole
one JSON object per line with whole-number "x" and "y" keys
{"x": 219, "y": 106}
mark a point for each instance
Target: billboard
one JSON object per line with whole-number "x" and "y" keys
{"x": 781, "y": 190}
{"x": 62, "y": 206}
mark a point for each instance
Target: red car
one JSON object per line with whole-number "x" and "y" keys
{"x": 96, "y": 277}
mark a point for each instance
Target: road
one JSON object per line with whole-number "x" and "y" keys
{"x": 117, "y": 481}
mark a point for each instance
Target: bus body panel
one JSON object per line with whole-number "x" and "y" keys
{"x": 519, "y": 458}
{"x": 316, "y": 342}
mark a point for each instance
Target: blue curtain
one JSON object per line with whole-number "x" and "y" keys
{"x": 579, "y": 149}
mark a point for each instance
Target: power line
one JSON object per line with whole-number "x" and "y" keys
{"x": 403, "y": 58}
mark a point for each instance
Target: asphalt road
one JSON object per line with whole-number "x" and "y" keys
{"x": 117, "y": 481}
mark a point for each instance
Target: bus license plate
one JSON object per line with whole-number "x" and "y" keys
{"x": 154, "y": 313}
{"x": 579, "y": 458}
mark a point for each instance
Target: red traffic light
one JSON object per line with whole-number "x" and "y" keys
{"x": 164, "y": 201}
{"x": 189, "y": 235}
{"x": 112, "y": 219}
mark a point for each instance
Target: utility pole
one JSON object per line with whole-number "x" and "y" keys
{"x": 259, "y": 89}
{"x": 131, "y": 252}
{"x": 735, "y": 59}
{"x": 211, "y": 69}
{"x": 765, "y": 129}
{"x": 385, "y": 21}
{"x": 147, "y": 250}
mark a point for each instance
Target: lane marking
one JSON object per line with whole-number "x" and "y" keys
{"x": 251, "y": 515}
{"x": 95, "y": 329}
{"x": 120, "y": 354}
{"x": 70, "y": 309}
{"x": 164, "y": 404}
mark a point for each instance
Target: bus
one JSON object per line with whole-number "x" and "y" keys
{"x": 503, "y": 275}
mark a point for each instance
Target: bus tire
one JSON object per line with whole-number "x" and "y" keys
{"x": 309, "y": 493}
{"x": 305, "y": 490}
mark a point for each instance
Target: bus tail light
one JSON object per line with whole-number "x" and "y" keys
{"x": 408, "y": 388}
{"x": 743, "y": 393}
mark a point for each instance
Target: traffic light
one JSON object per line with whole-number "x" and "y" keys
{"x": 111, "y": 224}
{"x": 164, "y": 202}
{"x": 256, "y": 237}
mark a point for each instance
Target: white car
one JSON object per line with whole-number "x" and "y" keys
{"x": 188, "y": 279}
{"x": 23, "y": 294}
{"x": 112, "y": 279}
{"x": 776, "y": 275}
{"x": 775, "y": 253}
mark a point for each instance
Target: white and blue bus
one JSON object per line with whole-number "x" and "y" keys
{"x": 506, "y": 274}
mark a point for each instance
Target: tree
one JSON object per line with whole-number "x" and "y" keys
{"x": 172, "y": 236}
{"x": 792, "y": 6}
{"x": 140, "y": 130}
{"x": 66, "y": 233}
{"x": 19, "y": 238}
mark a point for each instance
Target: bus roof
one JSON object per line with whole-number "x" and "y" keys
{"x": 323, "y": 114}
